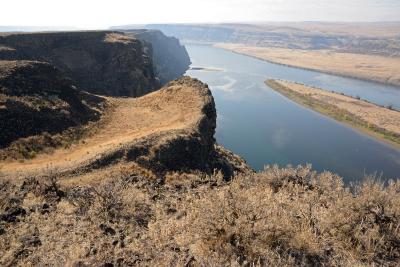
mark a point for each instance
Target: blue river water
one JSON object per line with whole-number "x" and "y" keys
{"x": 266, "y": 128}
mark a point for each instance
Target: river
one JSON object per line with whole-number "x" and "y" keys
{"x": 266, "y": 128}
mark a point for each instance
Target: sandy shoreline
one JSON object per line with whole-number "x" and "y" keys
{"x": 374, "y": 120}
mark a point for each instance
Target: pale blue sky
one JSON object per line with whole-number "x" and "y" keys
{"x": 104, "y": 13}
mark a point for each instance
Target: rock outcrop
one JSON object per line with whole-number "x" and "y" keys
{"x": 171, "y": 129}
{"x": 36, "y": 98}
{"x": 100, "y": 62}
{"x": 170, "y": 58}
{"x": 183, "y": 140}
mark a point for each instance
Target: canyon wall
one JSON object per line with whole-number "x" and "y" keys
{"x": 103, "y": 62}
{"x": 170, "y": 58}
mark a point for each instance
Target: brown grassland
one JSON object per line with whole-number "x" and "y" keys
{"x": 367, "y": 67}
{"x": 378, "y": 121}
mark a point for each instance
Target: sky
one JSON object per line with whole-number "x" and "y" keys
{"x": 105, "y": 13}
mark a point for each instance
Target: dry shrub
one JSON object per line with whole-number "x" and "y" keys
{"x": 290, "y": 216}
{"x": 279, "y": 217}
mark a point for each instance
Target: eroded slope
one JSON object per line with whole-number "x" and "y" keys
{"x": 36, "y": 99}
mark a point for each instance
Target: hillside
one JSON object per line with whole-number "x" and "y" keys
{"x": 37, "y": 103}
{"x": 142, "y": 58}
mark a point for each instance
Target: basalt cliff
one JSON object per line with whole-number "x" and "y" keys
{"x": 101, "y": 62}
{"x": 170, "y": 58}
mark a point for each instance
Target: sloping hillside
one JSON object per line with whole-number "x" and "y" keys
{"x": 37, "y": 101}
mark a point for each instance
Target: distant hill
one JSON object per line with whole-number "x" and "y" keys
{"x": 380, "y": 38}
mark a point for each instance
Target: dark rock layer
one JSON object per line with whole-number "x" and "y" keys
{"x": 170, "y": 58}
{"x": 102, "y": 62}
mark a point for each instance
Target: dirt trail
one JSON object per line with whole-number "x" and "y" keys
{"x": 131, "y": 119}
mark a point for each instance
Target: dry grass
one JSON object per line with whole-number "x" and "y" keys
{"x": 173, "y": 107}
{"x": 367, "y": 67}
{"x": 118, "y": 38}
{"x": 280, "y": 217}
{"x": 378, "y": 121}
{"x": 30, "y": 147}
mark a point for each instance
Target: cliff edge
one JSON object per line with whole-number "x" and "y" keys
{"x": 170, "y": 58}
{"x": 100, "y": 62}
{"x": 168, "y": 130}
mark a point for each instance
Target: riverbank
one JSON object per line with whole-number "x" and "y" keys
{"x": 374, "y": 68}
{"x": 377, "y": 121}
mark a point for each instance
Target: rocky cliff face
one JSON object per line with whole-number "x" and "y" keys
{"x": 102, "y": 62}
{"x": 36, "y": 98}
{"x": 170, "y": 58}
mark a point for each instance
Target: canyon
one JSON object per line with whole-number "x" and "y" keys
{"x": 367, "y": 51}
{"x": 101, "y": 62}
{"x": 106, "y": 162}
